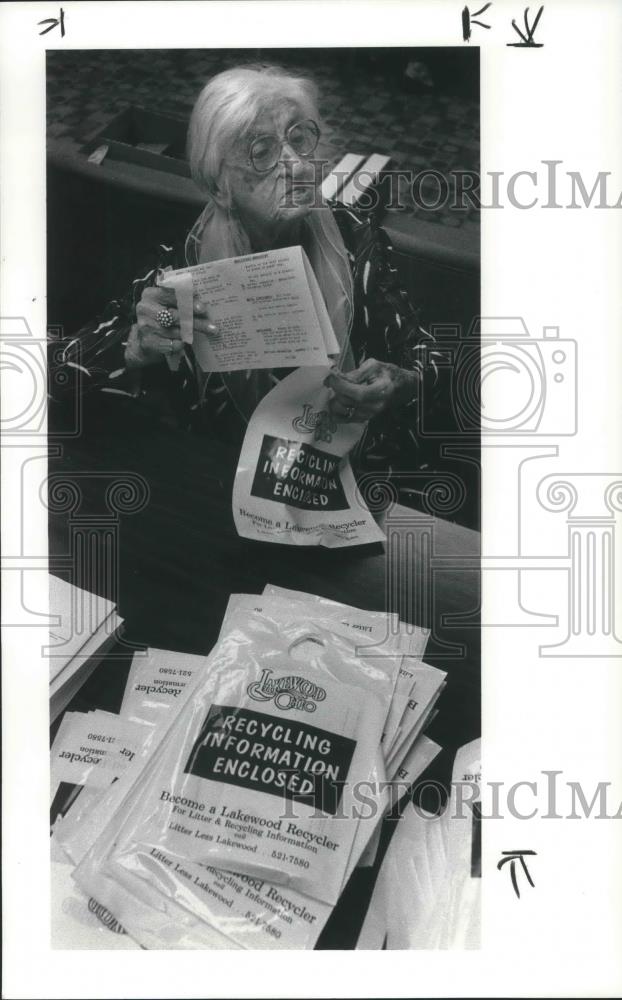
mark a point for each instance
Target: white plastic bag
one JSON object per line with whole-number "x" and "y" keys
{"x": 274, "y": 734}
{"x": 90, "y": 749}
{"x": 156, "y": 682}
{"x": 294, "y": 484}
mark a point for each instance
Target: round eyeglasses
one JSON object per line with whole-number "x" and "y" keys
{"x": 265, "y": 150}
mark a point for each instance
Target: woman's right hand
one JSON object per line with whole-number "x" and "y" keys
{"x": 149, "y": 341}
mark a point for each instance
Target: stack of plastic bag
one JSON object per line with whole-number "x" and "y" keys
{"x": 428, "y": 891}
{"x": 90, "y": 751}
{"x": 262, "y": 777}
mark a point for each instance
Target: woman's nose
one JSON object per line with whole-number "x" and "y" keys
{"x": 288, "y": 153}
{"x": 297, "y": 164}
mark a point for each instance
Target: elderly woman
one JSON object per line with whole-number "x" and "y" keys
{"x": 253, "y": 134}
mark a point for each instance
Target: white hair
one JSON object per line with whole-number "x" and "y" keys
{"x": 227, "y": 109}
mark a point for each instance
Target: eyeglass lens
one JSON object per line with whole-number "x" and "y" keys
{"x": 303, "y": 138}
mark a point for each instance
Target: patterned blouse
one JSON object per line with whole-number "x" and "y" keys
{"x": 386, "y": 326}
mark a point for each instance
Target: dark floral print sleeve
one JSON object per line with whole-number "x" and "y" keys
{"x": 387, "y": 327}
{"x": 93, "y": 359}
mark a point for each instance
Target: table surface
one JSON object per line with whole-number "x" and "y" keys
{"x": 172, "y": 564}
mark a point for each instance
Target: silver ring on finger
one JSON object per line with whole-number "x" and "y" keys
{"x": 170, "y": 346}
{"x": 165, "y": 318}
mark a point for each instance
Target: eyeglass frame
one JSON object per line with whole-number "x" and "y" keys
{"x": 282, "y": 140}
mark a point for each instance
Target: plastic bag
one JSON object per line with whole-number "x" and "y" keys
{"x": 185, "y": 904}
{"x": 156, "y": 682}
{"x": 271, "y": 737}
{"x": 90, "y": 749}
{"x": 410, "y": 640}
{"x": 294, "y": 484}
{"x": 428, "y": 891}
{"x": 419, "y": 757}
{"x": 232, "y": 774}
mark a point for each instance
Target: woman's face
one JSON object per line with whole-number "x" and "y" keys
{"x": 275, "y": 200}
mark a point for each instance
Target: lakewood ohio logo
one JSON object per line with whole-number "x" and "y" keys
{"x": 319, "y": 421}
{"x": 286, "y": 692}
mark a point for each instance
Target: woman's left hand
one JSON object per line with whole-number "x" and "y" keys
{"x": 369, "y": 390}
